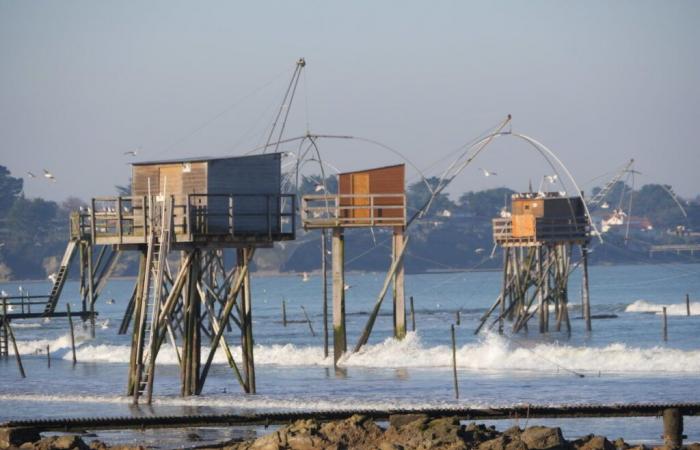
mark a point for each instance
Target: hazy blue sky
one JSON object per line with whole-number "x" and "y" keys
{"x": 81, "y": 82}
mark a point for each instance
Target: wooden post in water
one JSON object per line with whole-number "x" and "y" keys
{"x": 338, "y": 266}
{"x": 48, "y": 356}
{"x": 413, "y": 316}
{"x": 687, "y": 304}
{"x": 284, "y": 312}
{"x": 11, "y": 335}
{"x": 398, "y": 279}
{"x": 458, "y": 319}
{"x": 586, "y": 293}
{"x": 72, "y": 333}
{"x": 308, "y": 321}
{"x": 673, "y": 428}
{"x": 665, "y": 325}
{"x": 324, "y": 283}
{"x": 91, "y": 289}
{"x": 454, "y": 361}
{"x": 247, "y": 323}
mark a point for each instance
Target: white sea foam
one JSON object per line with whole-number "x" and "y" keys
{"x": 492, "y": 353}
{"x": 247, "y": 403}
{"x": 672, "y": 309}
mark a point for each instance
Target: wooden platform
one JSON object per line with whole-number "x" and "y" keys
{"x": 547, "y": 231}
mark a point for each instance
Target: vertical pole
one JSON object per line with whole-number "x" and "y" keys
{"x": 506, "y": 253}
{"x": 91, "y": 289}
{"x": 72, "y": 333}
{"x": 48, "y": 356}
{"x": 324, "y": 278}
{"x": 284, "y": 312}
{"x": 540, "y": 289}
{"x": 338, "y": 268}
{"x": 687, "y": 304}
{"x": 399, "y": 296}
{"x": 458, "y": 319}
{"x": 8, "y": 332}
{"x": 413, "y": 316}
{"x": 248, "y": 312}
{"x": 454, "y": 361}
{"x": 547, "y": 259}
{"x": 138, "y": 311}
{"x": 673, "y": 428}
{"x": 5, "y": 338}
{"x": 586, "y": 294}
{"x": 665, "y": 325}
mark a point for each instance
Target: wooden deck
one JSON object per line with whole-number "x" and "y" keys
{"x": 353, "y": 210}
{"x": 199, "y": 219}
{"x": 547, "y": 231}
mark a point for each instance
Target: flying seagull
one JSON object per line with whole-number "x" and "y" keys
{"x": 31, "y": 175}
{"x": 551, "y": 178}
{"x": 49, "y": 176}
{"x": 488, "y": 173}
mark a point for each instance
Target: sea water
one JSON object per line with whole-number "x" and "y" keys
{"x": 624, "y": 359}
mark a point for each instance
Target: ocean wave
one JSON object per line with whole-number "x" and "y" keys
{"x": 672, "y": 309}
{"x": 491, "y": 353}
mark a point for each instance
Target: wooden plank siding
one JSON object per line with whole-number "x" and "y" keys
{"x": 382, "y": 180}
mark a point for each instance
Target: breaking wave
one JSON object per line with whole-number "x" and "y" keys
{"x": 672, "y": 309}
{"x": 492, "y": 353}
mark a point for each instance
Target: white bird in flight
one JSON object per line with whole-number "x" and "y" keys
{"x": 31, "y": 175}
{"x": 488, "y": 173}
{"x": 551, "y": 178}
{"x": 319, "y": 187}
{"x": 131, "y": 153}
{"x": 49, "y": 176}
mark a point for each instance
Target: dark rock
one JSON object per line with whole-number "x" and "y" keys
{"x": 592, "y": 442}
{"x": 479, "y": 433}
{"x": 620, "y": 444}
{"x": 399, "y": 420}
{"x": 13, "y": 436}
{"x": 441, "y": 433}
{"x": 357, "y": 431}
{"x": 544, "y": 438}
{"x": 98, "y": 445}
{"x": 69, "y": 442}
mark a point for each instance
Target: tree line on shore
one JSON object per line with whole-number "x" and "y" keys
{"x": 454, "y": 234}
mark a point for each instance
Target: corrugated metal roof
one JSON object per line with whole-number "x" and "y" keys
{"x": 197, "y": 159}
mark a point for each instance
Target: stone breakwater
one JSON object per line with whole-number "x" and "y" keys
{"x": 404, "y": 432}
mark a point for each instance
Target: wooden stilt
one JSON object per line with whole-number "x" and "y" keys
{"x": 454, "y": 361}
{"x": 687, "y": 304}
{"x": 338, "y": 267}
{"x": 324, "y": 284}
{"x": 91, "y": 290}
{"x": 284, "y": 313}
{"x": 413, "y": 316}
{"x": 506, "y": 266}
{"x": 673, "y": 428}
{"x": 398, "y": 289}
{"x": 9, "y": 333}
{"x": 540, "y": 291}
{"x": 586, "y": 294}
{"x": 247, "y": 323}
{"x": 72, "y": 333}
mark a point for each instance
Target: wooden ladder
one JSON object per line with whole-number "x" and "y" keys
{"x": 61, "y": 276}
{"x": 158, "y": 249}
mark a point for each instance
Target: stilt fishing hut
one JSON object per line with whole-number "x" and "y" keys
{"x": 194, "y": 208}
{"x": 365, "y": 199}
{"x": 538, "y": 238}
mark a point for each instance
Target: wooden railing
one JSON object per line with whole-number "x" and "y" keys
{"x": 127, "y": 219}
{"x": 546, "y": 230}
{"x": 353, "y": 210}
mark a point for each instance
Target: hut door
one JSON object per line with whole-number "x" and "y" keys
{"x": 171, "y": 185}
{"x": 360, "y": 187}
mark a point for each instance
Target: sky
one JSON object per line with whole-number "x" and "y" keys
{"x": 597, "y": 82}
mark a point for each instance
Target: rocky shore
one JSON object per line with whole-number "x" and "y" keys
{"x": 404, "y": 432}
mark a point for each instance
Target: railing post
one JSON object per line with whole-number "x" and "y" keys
{"x": 145, "y": 215}
{"x": 188, "y": 218}
{"x": 92, "y": 220}
{"x": 230, "y": 214}
{"x": 371, "y": 209}
{"x": 119, "y": 218}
